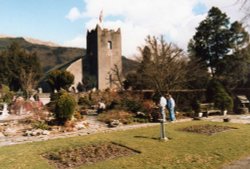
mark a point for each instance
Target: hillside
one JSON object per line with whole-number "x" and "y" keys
{"x": 49, "y": 56}
{"x": 52, "y": 57}
{"x": 128, "y": 65}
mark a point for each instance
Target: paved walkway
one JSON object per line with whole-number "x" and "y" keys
{"x": 243, "y": 119}
{"x": 240, "y": 164}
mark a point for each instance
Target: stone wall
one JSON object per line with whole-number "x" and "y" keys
{"x": 76, "y": 69}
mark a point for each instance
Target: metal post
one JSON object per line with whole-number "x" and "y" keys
{"x": 162, "y": 121}
{"x": 162, "y": 130}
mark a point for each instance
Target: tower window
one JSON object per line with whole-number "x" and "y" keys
{"x": 109, "y": 45}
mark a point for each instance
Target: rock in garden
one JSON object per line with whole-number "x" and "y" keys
{"x": 33, "y": 133}
{"x": 114, "y": 123}
{"x": 10, "y": 131}
{"x": 45, "y": 132}
{"x": 80, "y": 126}
{"x": 1, "y": 135}
{"x": 27, "y": 133}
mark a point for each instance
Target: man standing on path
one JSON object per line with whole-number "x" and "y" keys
{"x": 170, "y": 106}
{"x": 163, "y": 103}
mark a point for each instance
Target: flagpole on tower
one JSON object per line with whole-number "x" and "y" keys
{"x": 101, "y": 18}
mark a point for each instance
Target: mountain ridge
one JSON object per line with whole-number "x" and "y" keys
{"x": 33, "y": 40}
{"x": 54, "y": 56}
{"x": 49, "y": 56}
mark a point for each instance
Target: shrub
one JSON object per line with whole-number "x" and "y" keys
{"x": 156, "y": 97}
{"x": 115, "y": 105}
{"x": 223, "y": 101}
{"x": 155, "y": 115}
{"x": 148, "y": 104}
{"x": 141, "y": 120}
{"x": 55, "y": 96}
{"x": 217, "y": 93}
{"x": 51, "y": 106}
{"x": 148, "y": 107}
{"x": 84, "y": 102}
{"x": 78, "y": 115}
{"x": 23, "y": 106}
{"x": 132, "y": 105}
{"x": 64, "y": 107}
{"x": 196, "y": 106}
{"x": 214, "y": 87}
{"x": 122, "y": 116}
{"x": 6, "y": 95}
{"x": 41, "y": 125}
{"x": 69, "y": 126}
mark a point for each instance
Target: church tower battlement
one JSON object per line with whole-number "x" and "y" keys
{"x": 103, "y": 53}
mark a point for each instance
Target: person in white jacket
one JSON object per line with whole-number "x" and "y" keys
{"x": 163, "y": 103}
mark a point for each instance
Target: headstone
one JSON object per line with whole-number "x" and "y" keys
{"x": 21, "y": 110}
{"x": 40, "y": 90}
{"x": 4, "y": 112}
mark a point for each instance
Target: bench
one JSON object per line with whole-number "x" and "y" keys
{"x": 208, "y": 108}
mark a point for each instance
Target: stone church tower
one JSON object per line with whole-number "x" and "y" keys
{"x": 103, "y": 53}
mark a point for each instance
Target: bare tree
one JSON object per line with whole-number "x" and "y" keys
{"x": 245, "y": 6}
{"x": 27, "y": 81}
{"x": 117, "y": 78}
{"x": 164, "y": 65}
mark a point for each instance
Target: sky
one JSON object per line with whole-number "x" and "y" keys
{"x": 66, "y": 22}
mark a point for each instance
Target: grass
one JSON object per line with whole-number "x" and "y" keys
{"x": 184, "y": 150}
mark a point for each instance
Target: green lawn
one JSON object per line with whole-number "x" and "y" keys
{"x": 184, "y": 150}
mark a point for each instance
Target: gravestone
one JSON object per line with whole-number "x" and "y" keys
{"x": 3, "y": 111}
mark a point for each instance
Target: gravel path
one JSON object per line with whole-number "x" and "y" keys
{"x": 93, "y": 128}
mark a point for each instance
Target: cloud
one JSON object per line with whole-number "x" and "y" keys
{"x": 78, "y": 41}
{"x": 74, "y": 14}
{"x": 176, "y": 20}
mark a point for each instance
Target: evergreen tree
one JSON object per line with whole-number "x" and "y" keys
{"x": 239, "y": 38}
{"x": 60, "y": 79}
{"x": 21, "y": 69}
{"x": 143, "y": 79}
{"x": 221, "y": 47}
{"x": 4, "y": 69}
{"x": 234, "y": 67}
{"x": 211, "y": 41}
